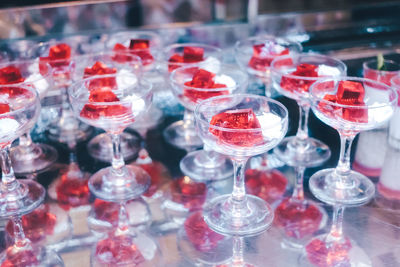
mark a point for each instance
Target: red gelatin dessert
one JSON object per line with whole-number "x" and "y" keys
{"x": 138, "y": 47}
{"x": 100, "y": 68}
{"x": 199, "y": 234}
{"x": 350, "y": 92}
{"x": 336, "y": 255}
{"x": 117, "y": 250}
{"x": 297, "y": 84}
{"x": 237, "y": 119}
{"x": 23, "y": 258}
{"x": 4, "y": 108}
{"x": 72, "y": 192}
{"x": 106, "y": 211}
{"x": 263, "y": 56}
{"x": 36, "y": 224}
{"x": 59, "y": 56}
{"x": 190, "y": 55}
{"x": 188, "y": 192}
{"x": 269, "y": 185}
{"x": 298, "y": 219}
{"x": 203, "y": 79}
{"x": 10, "y": 75}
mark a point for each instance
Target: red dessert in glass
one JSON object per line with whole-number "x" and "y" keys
{"x": 10, "y": 75}
{"x": 72, "y": 191}
{"x": 336, "y": 255}
{"x": 188, "y": 192}
{"x": 59, "y": 56}
{"x": 23, "y": 258}
{"x": 237, "y": 119}
{"x": 199, "y": 234}
{"x": 298, "y": 218}
{"x": 138, "y": 47}
{"x": 269, "y": 185}
{"x": 263, "y": 54}
{"x": 190, "y": 55}
{"x": 293, "y": 84}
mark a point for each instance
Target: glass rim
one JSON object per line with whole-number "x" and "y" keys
{"x": 47, "y": 76}
{"x": 167, "y": 49}
{"x": 197, "y": 113}
{"x": 392, "y": 102}
{"x": 367, "y": 67}
{"x": 265, "y": 37}
{"x": 200, "y": 89}
{"x": 80, "y": 83}
{"x": 284, "y": 57}
{"x": 395, "y": 84}
{"x": 26, "y": 87}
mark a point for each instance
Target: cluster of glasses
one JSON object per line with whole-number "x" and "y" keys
{"x": 113, "y": 90}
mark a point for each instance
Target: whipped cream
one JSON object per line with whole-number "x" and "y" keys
{"x": 271, "y": 125}
{"x": 138, "y": 104}
{"x": 40, "y": 83}
{"x": 225, "y": 79}
{"x": 125, "y": 79}
{"x": 8, "y": 127}
{"x": 211, "y": 64}
{"x": 324, "y": 70}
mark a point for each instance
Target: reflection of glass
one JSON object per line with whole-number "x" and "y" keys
{"x": 350, "y": 105}
{"x": 206, "y": 165}
{"x": 240, "y": 126}
{"x": 20, "y": 109}
{"x": 255, "y": 55}
{"x": 112, "y": 102}
{"x": 293, "y": 76}
{"x": 182, "y": 134}
{"x": 29, "y": 157}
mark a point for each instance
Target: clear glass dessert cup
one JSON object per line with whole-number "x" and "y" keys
{"x": 66, "y": 127}
{"x": 302, "y": 150}
{"x": 259, "y": 66}
{"x": 128, "y": 98}
{"x": 389, "y": 70}
{"x": 29, "y": 157}
{"x": 341, "y": 186}
{"x": 206, "y": 165}
{"x": 239, "y": 213}
{"x": 148, "y": 55}
{"x": 100, "y": 146}
{"x": 20, "y": 110}
{"x": 182, "y": 134}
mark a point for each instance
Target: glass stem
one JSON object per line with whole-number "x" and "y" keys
{"x": 343, "y": 167}
{"x": 298, "y": 192}
{"x": 9, "y": 182}
{"x": 336, "y": 232}
{"x": 117, "y": 159}
{"x": 20, "y": 239}
{"x": 25, "y": 140}
{"x": 123, "y": 219}
{"x": 237, "y": 251}
{"x": 302, "y": 130}
{"x": 188, "y": 118}
{"x": 239, "y": 189}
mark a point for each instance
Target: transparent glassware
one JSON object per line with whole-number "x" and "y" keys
{"x": 100, "y": 147}
{"x": 238, "y": 213}
{"x": 342, "y": 186}
{"x": 259, "y": 66}
{"x": 182, "y": 134}
{"x": 206, "y": 165}
{"x": 390, "y": 70}
{"x": 20, "y": 110}
{"x": 66, "y": 126}
{"x": 127, "y": 97}
{"x": 29, "y": 157}
{"x": 302, "y": 150}
{"x": 125, "y": 246}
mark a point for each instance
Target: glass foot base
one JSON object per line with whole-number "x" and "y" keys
{"x": 105, "y": 185}
{"x": 326, "y": 186}
{"x": 26, "y": 198}
{"x": 323, "y": 251}
{"x": 252, "y": 217}
{"x": 41, "y": 157}
{"x": 198, "y": 167}
{"x": 314, "y": 154}
{"x": 100, "y": 147}
{"x": 28, "y": 256}
{"x": 183, "y": 136}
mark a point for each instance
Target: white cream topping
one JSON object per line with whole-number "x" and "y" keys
{"x": 225, "y": 79}
{"x": 125, "y": 79}
{"x": 271, "y": 125}
{"x": 8, "y": 126}
{"x": 324, "y": 70}
{"x": 40, "y": 83}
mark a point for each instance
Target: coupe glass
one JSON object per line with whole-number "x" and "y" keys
{"x": 29, "y": 157}
{"x": 240, "y": 126}
{"x": 112, "y": 102}
{"x": 370, "y": 71}
{"x": 350, "y": 105}
{"x": 66, "y": 127}
{"x": 206, "y": 165}
{"x": 182, "y": 134}
{"x": 289, "y": 78}
{"x": 255, "y": 55}
{"x": 20, "y": 109}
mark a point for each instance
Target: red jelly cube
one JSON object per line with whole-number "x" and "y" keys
{"x": 297, "y": 84}
{"x": 269, "y": 185}
{"x": 106, "y": 211}
{"x": 193, "y": 54}
{"x": 306, "y": 70}
{"x": 262, "y": 56}
{"x": 4, "y": 108}
{"x": 72, "y": 192}
{"x": 139, "y": 44}
{"x": 202, "y": 79}
{"x": 336, "y": 254}
{"x": 15, "y": 91}
{"x": 189, "y": 193}
{"x": 328, "y": 109}
{"x": 10, "y": 75}
{"x": 199, "y": 234}
{"x": 175, "y": 58}
{"x": 350, "y": 92}
{"x": 356, "y": 114}
{"x": 237, "y": 119}
{"x": 96, "y": 111}
{"x": 100, "y": 68}
{"x": 298, "y": 219}
{"x": 102, "y": 95}
{"x": 60, "y": 51}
